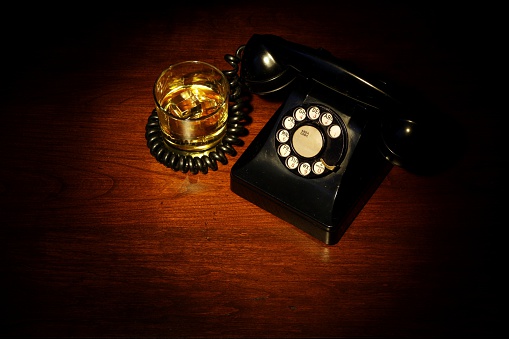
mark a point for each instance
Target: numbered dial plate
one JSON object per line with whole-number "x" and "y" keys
{"x": 311, "y": 140}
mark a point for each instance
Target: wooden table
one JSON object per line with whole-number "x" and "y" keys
{"x": 100, "y": 240}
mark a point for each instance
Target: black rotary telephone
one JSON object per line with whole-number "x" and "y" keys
{"x": 333, "y": 140}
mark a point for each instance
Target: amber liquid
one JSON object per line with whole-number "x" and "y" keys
{"x": 193, "y": 117}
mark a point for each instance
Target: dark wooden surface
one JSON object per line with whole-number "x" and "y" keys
{"x": 100, "y": 240}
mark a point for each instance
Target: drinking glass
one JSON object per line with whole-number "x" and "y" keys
{"x": 191, "y": 100}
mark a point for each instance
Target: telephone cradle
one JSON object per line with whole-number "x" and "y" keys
{"x": 331, "y": 143}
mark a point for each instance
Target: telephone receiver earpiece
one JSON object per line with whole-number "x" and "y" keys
{"x": 425, "y": 145}
{"x": 407, "y": 138}
{"x": 400, "y": 142}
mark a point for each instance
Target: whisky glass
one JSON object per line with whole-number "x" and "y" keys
{"x": 191, "y": 99}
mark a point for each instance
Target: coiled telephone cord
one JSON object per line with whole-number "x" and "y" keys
{"x": 195, "y": 162}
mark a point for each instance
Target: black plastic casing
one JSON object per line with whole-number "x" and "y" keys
{"x": 323, "y": 207}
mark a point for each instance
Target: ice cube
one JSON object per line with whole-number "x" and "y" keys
{"x": 185, "y": 104}
{"x": 195, "y": 112}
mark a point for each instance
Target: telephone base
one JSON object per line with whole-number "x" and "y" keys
{"x": 325, "y": 233}
{"x": 348, "y": 203}
{"x": 267, "y": 191}
{"x": 325, "y": 205}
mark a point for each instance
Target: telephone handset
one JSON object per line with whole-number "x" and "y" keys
{"x": 329, "y": 145}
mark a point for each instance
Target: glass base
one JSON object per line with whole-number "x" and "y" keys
{"x": 188, "y": 160}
